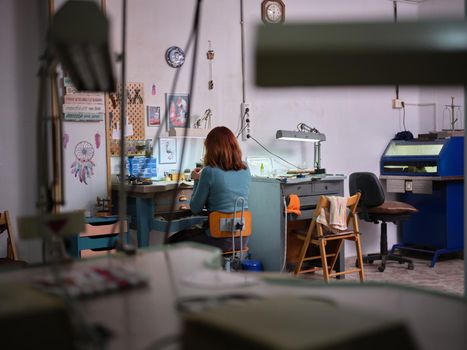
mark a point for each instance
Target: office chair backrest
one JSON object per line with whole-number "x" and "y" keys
{"x": 369, "y": 186}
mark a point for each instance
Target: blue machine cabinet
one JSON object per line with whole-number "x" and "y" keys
{"x": 430, "y": 176}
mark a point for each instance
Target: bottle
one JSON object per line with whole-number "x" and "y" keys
{"x": 261, "y": 169}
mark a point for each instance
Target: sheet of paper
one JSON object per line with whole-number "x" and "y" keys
{"x": 116, "y": 134}
{"x": 219, "y": 279}
{"x": 129, "y": 130}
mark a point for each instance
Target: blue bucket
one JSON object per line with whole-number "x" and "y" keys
{"x": 252, "y": 265}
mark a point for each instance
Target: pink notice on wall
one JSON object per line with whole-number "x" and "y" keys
{"x": 66, "y": 139}
{"x": 97, "y": 138}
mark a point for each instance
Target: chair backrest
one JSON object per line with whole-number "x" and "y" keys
{"x": 220, "y": 224}
{"x": 369, "y": 186}
{"x": 5, "y": 225}
{"x": 352, "y": 219}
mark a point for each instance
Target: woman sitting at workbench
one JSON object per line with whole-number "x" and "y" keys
{"x": 224, "y": 178}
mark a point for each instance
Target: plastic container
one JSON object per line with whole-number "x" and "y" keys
{"x": 252, "y": 265}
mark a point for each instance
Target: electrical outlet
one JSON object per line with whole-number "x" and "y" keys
{"x": 246, "y": 120}
{"x": 397, "y": 103}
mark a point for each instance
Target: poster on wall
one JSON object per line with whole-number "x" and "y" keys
{"x": 176, "y": 106}
{"x": 85, "y": 165}
{"x": 167, "y": 151}
{"x": 153, "y": 114}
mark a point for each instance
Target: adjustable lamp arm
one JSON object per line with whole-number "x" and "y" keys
{"x": 307, "y": 128}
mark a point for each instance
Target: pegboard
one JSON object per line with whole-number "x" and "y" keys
{"x": 135, "y": 114}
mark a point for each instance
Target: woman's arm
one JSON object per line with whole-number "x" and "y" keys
{"x": 201, "y": 191}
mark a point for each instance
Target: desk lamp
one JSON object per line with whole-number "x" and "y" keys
{"x": 307, "y": 134}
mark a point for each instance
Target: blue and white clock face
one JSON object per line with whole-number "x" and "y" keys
{"x": 175, "y": 56}
{"x": 274, "y": 12}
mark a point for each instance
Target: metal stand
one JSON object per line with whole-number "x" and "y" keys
{"x": 234, "y": 262}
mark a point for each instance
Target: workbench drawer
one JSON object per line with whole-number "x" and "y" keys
{"x": 303, "y": 189}
{"x": 322, "y": 187}
{"x": 308, "y": 201}
{"x": 306, "y": 214}
{"x": 163, "y": 201}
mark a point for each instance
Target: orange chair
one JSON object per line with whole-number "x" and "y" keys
{"x": 232, "y": 225}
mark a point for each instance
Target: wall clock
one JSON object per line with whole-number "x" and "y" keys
{"x": 175, "y": 56}
{"x": 273, "y": 11}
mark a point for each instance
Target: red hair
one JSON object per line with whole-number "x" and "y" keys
{"x": 223, "y": 150}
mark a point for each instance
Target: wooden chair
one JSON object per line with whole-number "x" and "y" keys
{"x": 319, "y": 236}
{"x": 12, "y": 255}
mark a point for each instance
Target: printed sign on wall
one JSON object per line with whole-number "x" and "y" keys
{"x": 80, "y": 106}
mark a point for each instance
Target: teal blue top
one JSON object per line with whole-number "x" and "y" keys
{"x": 218, "y": 189}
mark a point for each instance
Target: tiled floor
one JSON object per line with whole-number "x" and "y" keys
{"x": 447, "y": 275}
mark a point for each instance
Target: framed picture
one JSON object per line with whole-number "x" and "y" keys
{"x": 176, "y": 106}
{"x": 167, "y": 151}
{"x": 153, "y": 115}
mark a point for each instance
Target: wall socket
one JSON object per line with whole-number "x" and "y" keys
{"x": 397, "y": 103}
{"x": 246, "y": 120}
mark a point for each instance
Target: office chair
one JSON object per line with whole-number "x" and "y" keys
{"x": 11, "y": 260}
{"x": 374, "y": 208}
{"x": 232, "y": 225}
{"x": 319, "y": 236}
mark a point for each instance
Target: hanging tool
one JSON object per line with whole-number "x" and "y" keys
{"x": 210, "y": 56}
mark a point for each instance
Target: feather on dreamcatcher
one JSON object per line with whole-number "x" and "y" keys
{"x": 82, "y": 167}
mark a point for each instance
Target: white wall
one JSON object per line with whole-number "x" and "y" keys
{"x": 435, "y": 99}
{"x": 22, "y": 36}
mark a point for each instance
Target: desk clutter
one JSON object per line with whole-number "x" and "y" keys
{"x": 87, "y": 281}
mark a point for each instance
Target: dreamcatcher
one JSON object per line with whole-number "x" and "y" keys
{"x": 83, "y": 166}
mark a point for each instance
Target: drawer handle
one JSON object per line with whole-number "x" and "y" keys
{"x": 326, "y": 187}
{"x": 183, "y": 207}
{"x": 182, "y": 198}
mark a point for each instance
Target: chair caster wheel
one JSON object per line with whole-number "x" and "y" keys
{"x": 381, "y": 268}
{"x": 410, "y": 267}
